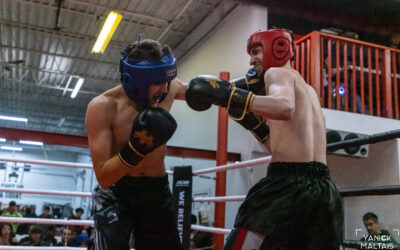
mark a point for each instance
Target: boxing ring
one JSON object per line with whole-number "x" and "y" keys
{"x": 378, "y": 190}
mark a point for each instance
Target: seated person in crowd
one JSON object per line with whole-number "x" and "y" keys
{"x": 199, "y": 239}
{"x": 66, "y": 237}
{"x": 34, "y": 238}
{"x": 6, "y": 235}
{"x": 375, "y": 233}
{"x": 12, "y": 212}
{"x": 49, "y": 233}
{"x": 46, "y": 213}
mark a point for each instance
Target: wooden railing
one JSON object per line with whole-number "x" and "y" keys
{"x": 350, "y": 75}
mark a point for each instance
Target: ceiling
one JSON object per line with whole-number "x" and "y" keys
{"x": 45, "y": 45}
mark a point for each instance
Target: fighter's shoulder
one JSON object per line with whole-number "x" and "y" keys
{"x": 274, "y": 74}
{"x": 102, "y": 103}
{"x": 177, "y": 88}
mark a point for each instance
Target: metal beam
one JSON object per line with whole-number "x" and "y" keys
{"x": 49, "y": 71}
{"x": 124, "y": 12}
{"x": 42, "y": 85}
{"x": 207, "y": 25}
{"x": 59, "y": 55}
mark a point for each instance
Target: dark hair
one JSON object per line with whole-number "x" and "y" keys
{"x": 148, "y": 49}
{"x": 79, "y": 209}
{"x": 35, "y": 229}
{"x": 370, "y": 216}
{"x": 46, "y": 208}
{"x": 12, "y": 203}
{"x": 2, "y": 225}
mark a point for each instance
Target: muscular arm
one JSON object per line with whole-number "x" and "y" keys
{"x": 108, "y": 168}
{"x": 179, "y": 88}
{"x": 279, "y": 103}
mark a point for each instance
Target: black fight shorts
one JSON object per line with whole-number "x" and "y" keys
{"x": 297, "y": 206}
{"x": 142, "y": 205}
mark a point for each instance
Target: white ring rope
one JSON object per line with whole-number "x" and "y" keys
{"x": 235, "y": 165}
{"x": 45, "y": 192}
{"x": 91, "y": 223}
{"x": 220, "y": 198}
{"x": 49, "y": 163}
{"x": 47, "y": 221}
{"x": 215, "y": 230}
{"x": 40, "y": 248}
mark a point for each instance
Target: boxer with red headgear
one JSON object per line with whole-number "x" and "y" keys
{"x": 296, "y": 206}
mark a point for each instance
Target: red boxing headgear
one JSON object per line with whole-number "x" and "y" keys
{"x": 278, "y": 46}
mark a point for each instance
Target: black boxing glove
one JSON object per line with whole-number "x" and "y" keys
{"x": 152, "y": 128}
{"x": 250, "y": 82}
{"x": 256, "y": 125}
{"x": 202, "y": 91}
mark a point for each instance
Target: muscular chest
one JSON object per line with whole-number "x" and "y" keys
{"x": 122, "y": 126}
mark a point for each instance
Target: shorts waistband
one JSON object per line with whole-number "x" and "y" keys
{"x": 132, "y": 182}
{"x": 312, "y": 168}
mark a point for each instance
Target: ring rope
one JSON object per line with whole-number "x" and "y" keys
{"x": 235, "y": 165}
{"x": 393, "y": 134}
{"x": 45, "y": 192}
{"x": 47, "y": 221}
{"x": 40, "y": 248}
{"x": 215, "y": 230}
{"x": 49, "y": 163}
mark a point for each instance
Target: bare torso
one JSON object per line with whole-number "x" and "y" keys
{"x": 153, "y": 163}
{"x": 109, "y": 121}
{"x": 302, "y": 138}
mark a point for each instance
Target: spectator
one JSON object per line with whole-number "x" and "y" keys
{"x": 199, "y": 239}
{"x": 49, "y": 233}
{"x": 34, "y": 238}
{"x": 6, "y": 235}
{"x": 375, "y": 233}
{"x": 82, "y": 240}
{"x": 24, "y": 228}
{"x": 46, "y": 213}
{"x": 66, "y": 238}
{"x": 78, "y": 213}
{"x": 12, "y": 212}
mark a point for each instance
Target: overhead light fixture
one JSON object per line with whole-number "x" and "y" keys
{"x": 109, "y": 27}
{"x": 2, "y": 140}
{"x": 77, "y": 87}
{"x": 12, "y": 118}
{"x": 36, "y": 143}
{"x": 11, "y": 148}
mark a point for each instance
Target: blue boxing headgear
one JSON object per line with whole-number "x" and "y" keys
{"x": 137, "y": 75}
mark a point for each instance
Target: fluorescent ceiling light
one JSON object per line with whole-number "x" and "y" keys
{"x": 2, "y": 140}
{"x": 37, "y": 143}
{"x": 11, "y": 148}
{"x": 11, "y": 118}
{"x": 77, "y": 87}
{"x": 109, "y": 27}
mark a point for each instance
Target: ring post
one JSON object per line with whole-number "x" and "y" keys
{"x": 222, "y": 158}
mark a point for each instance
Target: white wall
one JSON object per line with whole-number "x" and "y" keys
{"x": 381, "y": 168}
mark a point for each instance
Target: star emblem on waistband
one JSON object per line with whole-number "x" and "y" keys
{"x": 144, "y": 138}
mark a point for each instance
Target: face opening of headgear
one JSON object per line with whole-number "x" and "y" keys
{"x": 278, "y": 46}
{"x": 138, "y": 75}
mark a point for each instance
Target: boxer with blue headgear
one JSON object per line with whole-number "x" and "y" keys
{"x": 128, "y": 127}
{"x": 137, "y": 75}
